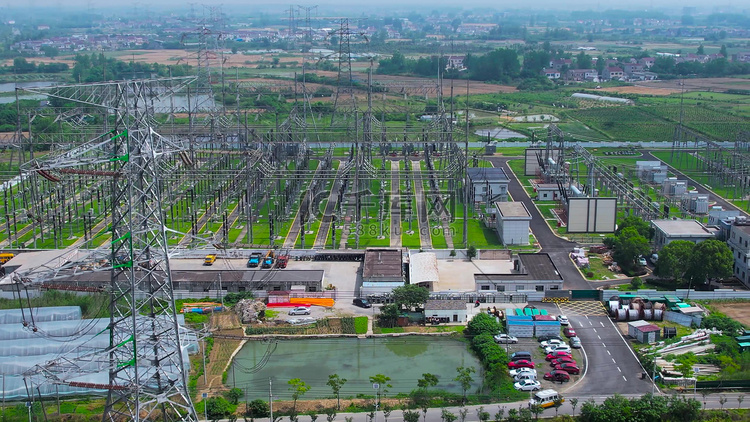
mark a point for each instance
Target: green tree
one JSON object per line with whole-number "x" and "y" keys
{"x": 642, "y": 226}
{"x": 723, "y": 51}
{"x": 557, "y": 404}
{"x": 574, "y": 404}
{"x": 383, "y": 385}
{"x": 447, "y": 416}
{"x": 471, "y": 252}
{"x": 536, "y": 410}
{"x": 233, "y": 395}
{"x": 410, "y": 296}
{"x": 388, "y": 315}
{"x": 636, "y": 283}
{"x": 684, "y": 364}
{"x": 330, "y": 414}
{"x": 428, "y": 380}
{"x": 336, "y": 382}
{"x": 629, "y": 245}
{"x": 257, "y": 409}
{"x": 464, "y": 378}
{"x": 482, "y": 415}
{"x": 50, "y": 51}
{"x": 411, "y": 416}
{"x": 298, "y": 388}
{"x": 712, "y": 260}
{"x": 674, "y": 259}
{"x": 583, "y": 61}
{"x": 701, "y": 50}
{"x": 218, "y": 408}
{"x": 483, "y": 323}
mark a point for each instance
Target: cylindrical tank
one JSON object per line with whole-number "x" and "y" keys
{"x": 622, "y": 314}
{"x": 648, "y": 305}
{"x": 615, "y": 298}
{"x": 658, "y": 314}
{"x": 634, "y": 314}
{"x": 648, "y": 314}
{"x": 613, "y": 309}
{"x": 636, "y": 306}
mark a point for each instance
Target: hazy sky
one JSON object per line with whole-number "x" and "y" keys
{"x": 665, "y": 5}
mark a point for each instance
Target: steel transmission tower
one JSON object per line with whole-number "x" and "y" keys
{"x": 147, "y": 379}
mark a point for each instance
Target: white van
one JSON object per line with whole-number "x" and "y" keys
{"x": 545, "y": 398}
{"x": 525, "y": 376}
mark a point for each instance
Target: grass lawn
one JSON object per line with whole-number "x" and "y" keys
{"x": 599, "y": 270}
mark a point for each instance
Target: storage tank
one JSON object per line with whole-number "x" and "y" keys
{"x": 634, "y": 314}
{"x": 622, "y": 315}
{"x": 648, "y": 314}
{"x": 658, "y": 314}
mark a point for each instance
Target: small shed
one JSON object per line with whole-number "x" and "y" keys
{"x": 643, "y": 331}
{"x": 520, "y": 326}
{"x": 546, "y": 327}
{"x": 444, "y": 311}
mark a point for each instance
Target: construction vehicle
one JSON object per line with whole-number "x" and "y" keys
{"x": 254, "y": 260}
{"x": 281, "y": 261}
{"x": 268, "y": 260}
{"x": 210, "y": 259}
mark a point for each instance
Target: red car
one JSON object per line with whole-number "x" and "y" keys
{"x": 569, "y": 332}
{"x": 557, "y": 376}
{"x": 570, "y": 368}
{"x": 523, "y": 363}
{"x": 555, "y": 355}
{"x": 563, "y": 359}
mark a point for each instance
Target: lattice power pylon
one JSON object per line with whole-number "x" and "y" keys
{"x": 147, "y": 379}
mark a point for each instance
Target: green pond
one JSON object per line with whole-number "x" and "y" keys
{"x": 403, "y": 359}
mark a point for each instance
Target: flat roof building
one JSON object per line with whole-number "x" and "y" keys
{"x": 531, "y": 271}
{"x": 667, "y": 231}
{"x": 512, "y": 223}
{"x": 488, "y": 184}
{"x": 383, "y": 271}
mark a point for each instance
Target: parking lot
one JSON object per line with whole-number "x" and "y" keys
{"x": 542, "y": 366}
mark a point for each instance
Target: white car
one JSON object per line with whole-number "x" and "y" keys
{"x": 514, "y": 372}
{"x": 527, "y": 385}
{"x": 642, "y": 261}
{"x": 552, "y": 342}
{"x": 557, "y": 348}
{"x": 505, "y": 338}
{"x": 300, "y": 310}
{"x": 563, "y": 320}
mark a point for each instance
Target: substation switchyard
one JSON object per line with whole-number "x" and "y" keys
{"x": 138, "y": 170}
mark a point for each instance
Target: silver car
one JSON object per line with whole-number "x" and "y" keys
{"x": 505, "y": 338}
{"x": 575, "y": 343}
{"x": 300, "y": 310}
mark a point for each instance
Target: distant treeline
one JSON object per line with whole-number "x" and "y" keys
{"x": 20, "y": 66}
{"x": 98, "y": 68}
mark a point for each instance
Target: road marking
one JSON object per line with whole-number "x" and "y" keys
{"x": 631, "y": 351}
{"x": 601, "y": 323}
{"x": 618, "y": 368}
{"x": 613, "y": 360}
{"x": 609, "y": 353}
{"x": 599, "y": 336}
{"x": 594, "y": 329}
{"x": 604, "y": 345}
{"x": 623, "y": 377}
{"x": 591, "y": 323}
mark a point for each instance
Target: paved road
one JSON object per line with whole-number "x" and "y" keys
{"x": 424, "y": 222}
{"x": 395, "y": 232}
{"x": 434, "y": 414}
{"x": 691, "y": 182}
{"x": 333, "y": 198}
{"x": 557, "y": 248}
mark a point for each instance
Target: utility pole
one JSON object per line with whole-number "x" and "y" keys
{"x": 270, "y": 398}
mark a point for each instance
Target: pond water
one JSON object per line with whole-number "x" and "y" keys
{"x": 499, "y": 133}
{"x": 11, "y": 86}
{"x": 403, "y": 359}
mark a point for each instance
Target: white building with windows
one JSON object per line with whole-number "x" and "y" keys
{"x": 531, "y": 272}
{"x": 739, "y": 244}
{"x": 488, "y": 184}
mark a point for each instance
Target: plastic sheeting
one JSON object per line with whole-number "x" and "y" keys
{"x": 60, "y": 331}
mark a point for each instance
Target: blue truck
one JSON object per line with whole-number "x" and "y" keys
{"x": 254, "y": 260}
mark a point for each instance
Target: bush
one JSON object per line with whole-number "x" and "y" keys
{"x": 727, "y": 325}
{"x": 218, "y": 408}
{"x": 483, "y": 323}
{"x": 257, "y": 409}
{"x": 636, "y": 283}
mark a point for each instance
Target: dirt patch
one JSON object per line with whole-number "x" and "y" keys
{"x": 225, "y": 323}
{"x": 737, "y": 311}
{"x": 702, "y": 84}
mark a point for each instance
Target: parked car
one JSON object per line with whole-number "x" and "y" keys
{"x": 557, "y": 376}
{"x": 520, "y": 355}
{"x": 569, "y": 332}
{"x": 562, "y": 359}
{"x": 548, "y": 337}
{"x": 570, "y": 368}
{"x": 300, "y": 310}
{"x": 362, "y": 303}
{"x": 575, "y": 343}
{"x": 557, "y": 348}
{"x": 563, "y": 320}
{"x": 556, "y": 354}
{"x": 527, "y": 385}
{"x": 523, "y": 363}
{"x": 524, "y": 376}
{"x": 505, "y": 339}
{"x": 514, "y": 372}
{"x": 552, "y": 342}
{"x": 654, "y": 258}
{"x": 641, "y": 261}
